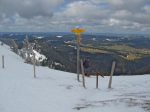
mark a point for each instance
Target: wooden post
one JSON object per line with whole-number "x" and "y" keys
{"x": 83, "y": 74}
{"x": 3, "y": 62}
{"x": 34, "y": 65}
{"x": 78, "y": 60}
{"x": 111, "y": 74}
{"x": 97, "y": 74}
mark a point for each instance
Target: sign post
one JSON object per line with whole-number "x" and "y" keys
{"x": 77, "y": 32}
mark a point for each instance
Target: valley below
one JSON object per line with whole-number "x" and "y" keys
{"x": 131, "y": 52}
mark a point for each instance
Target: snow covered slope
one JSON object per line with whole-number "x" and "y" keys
{"x": 56, "y": 91}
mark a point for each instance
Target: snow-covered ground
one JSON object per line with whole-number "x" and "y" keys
{"x": 56, "y": 91}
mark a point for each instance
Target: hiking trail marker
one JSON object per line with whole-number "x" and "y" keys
{"x": 77, "y": 32}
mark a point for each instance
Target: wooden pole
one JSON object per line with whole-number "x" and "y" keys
{"x": 78, "y": 58}
{"x": 111, "y": 74}
{"x": 3, "y": 62}
{"x": 97, "y": 74}
{"x": 34, "y": 65}
{"x": 77, "y": 31}
{"x": 83, "y": 74}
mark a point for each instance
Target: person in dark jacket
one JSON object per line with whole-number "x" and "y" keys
{"x": 86, "y": 65}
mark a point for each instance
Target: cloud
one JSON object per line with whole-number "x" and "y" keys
{"x": 94, "y": 13}
{"x": 28, "y": 8}
{"x": 82, "y": 13}
{"x": 128, "y": 4}
{"x": 84, "y": 10}
{"x": 122, "y": 14}
{"x": 147, "y": 9}
{"x": 61, "y": 15}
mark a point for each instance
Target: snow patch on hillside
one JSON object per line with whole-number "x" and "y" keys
{"x": 59, "y": 36}
{"x": 57, "y": 91}
{"x": 40, "y": 37}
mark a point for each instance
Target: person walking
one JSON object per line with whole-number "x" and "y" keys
{"x": 86, "y": 65}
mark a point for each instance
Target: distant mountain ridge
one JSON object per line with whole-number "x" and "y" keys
{"x": 130, "y": 52}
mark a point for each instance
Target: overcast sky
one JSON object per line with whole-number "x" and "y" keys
{"x": 113, "y": 16}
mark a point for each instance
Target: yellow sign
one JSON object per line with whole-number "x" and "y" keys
{"x": 77, "y": 32}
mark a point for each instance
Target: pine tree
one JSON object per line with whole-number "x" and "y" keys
{"x": 14, "y": 46}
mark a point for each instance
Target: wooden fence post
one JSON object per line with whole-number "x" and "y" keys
{"x": 97, "y": 80}
{"x": 78, "y": 61}
{"x": 83, "y": 74}
{"x": 34, "y": 65}
{"x": 3, "y": 62}
{"x": 111, "y": 74}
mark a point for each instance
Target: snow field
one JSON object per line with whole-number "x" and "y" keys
{"x": 57, "y": 91}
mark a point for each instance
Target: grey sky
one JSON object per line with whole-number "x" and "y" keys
{"x": 117, "y": 16}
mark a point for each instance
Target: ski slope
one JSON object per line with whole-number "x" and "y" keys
{"x": 57, "y": 91}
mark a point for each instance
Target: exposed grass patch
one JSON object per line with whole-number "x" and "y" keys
{"x": 124, "y": 51}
